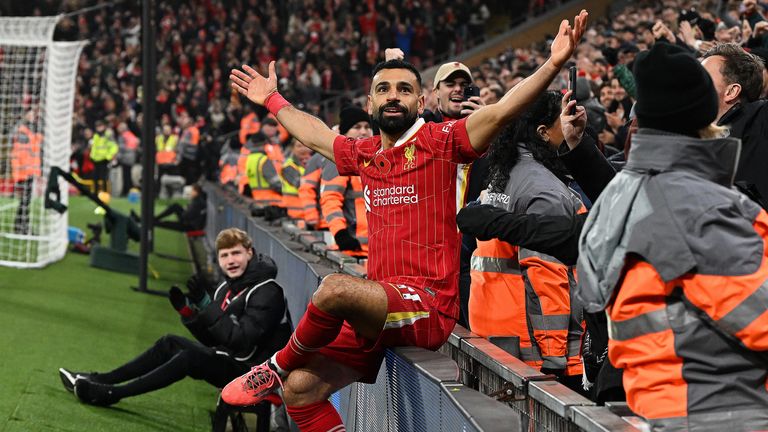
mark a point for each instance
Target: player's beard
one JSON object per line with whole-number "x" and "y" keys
{"x": 394, "y": 125}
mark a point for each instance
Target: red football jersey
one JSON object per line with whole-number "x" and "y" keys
{"x": 411, "y": 201}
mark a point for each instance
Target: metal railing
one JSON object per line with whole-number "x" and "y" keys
{"x": 470, "y": 384}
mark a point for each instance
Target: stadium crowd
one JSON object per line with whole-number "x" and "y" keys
{"x": 655, "y": 81}
{"x": 324, "y": 49}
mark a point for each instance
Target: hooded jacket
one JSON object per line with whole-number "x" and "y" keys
{"x": 749, "y": 122}
{"x": 520, "y": 292}
{"x": 679, "y": 260}
{"x": 247, "y": 317}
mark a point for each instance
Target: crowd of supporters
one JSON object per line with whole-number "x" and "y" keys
{"x": 323, "y": 49}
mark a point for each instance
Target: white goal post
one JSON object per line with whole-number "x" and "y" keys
{"x": 37, "y": 88}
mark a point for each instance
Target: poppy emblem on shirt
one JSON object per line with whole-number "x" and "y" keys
{"x": 382, "y": 163}
{"x": 410, "y": 157}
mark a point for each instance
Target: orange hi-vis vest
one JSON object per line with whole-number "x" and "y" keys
{"x": 249, "y": 124}
{"x": 166, "y": 149}
{"x": 189, "y": 143}
{"x": 131, "y": 140}
{"x": 25, "y": 154}
{"x": 275, "y": 154}
{"x": 309, "y": 191}
{"x": 342, "y": 202}
{"x": 497, "y": 304}
{"x": 291, "y": 178}
{"x": 495, "y": 272}
{"x": 228, "y": 166}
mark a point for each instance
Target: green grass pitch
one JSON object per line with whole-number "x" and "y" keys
{"x": 71, "y": 315}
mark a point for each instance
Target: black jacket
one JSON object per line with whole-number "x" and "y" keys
{"x": 195, "y": 213}
{"x": 247, "y": 317}
{"x": 749, "y": 121}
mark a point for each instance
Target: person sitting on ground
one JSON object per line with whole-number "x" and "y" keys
{"x": 241, "y": 325}
{"x": 190, "y": 219}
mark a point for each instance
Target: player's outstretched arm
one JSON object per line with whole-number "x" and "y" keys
{"x": 484, "y": 124}
{"x": 308, "y": 129}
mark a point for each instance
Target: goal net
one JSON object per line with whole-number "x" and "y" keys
{"x": 37, "y": 85}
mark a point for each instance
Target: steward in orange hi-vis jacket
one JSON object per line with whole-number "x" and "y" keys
{"x": 516, "y": 291}
{"x": 26, "y": 164}
{"x": 519, "y": 292}
{"x": 679, "y": 260}
{"x": 309, "y": 192}
{"x": 341, "y": 197}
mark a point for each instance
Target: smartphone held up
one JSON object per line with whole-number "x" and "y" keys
{"x": 572, "y": 78}
{"x": 471, "y": 90}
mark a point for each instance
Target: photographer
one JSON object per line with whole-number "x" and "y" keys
{"x": 243, "y": 324}
{"x": 458, "y": 97}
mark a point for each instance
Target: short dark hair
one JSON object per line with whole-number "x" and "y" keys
{"x": 398, "y": 64}
{"x": 497, "y": 90}
{"x": 740, "y": 67}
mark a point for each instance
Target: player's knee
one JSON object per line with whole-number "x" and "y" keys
{"x": 331, "y": 293}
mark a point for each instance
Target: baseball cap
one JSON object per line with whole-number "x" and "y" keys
{"x": 448, "y": 69}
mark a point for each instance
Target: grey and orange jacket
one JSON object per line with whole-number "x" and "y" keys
{"x": 519, "y": 292}
{"x": 309, "y": 191}
{"x": 342, "y": 203}
{"x": 679, "y": 260}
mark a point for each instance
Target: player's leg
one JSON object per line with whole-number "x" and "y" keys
{"x": 307, "y": 390}
{"x": 362, "y": 303}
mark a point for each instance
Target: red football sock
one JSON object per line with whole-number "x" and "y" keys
{"x": 315, "y": 330}
{"x": 317, "y": 417}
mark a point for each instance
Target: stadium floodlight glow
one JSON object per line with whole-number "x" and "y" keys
{"x": 37, "y": 88}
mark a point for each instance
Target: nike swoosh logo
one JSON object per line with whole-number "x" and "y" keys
{"x": 366, "y": 163}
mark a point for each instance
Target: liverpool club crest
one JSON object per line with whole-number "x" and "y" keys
{"x": 410, "y": 157}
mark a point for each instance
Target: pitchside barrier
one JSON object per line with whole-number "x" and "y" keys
{"x": 469, "y": 385}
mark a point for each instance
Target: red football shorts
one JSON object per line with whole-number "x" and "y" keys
{"x": 412, "y": 320}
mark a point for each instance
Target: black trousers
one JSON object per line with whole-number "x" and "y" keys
{"x": 100, "y": 176}
{"x": 171, "y": 359}
{"x": 127, "y": 181}
{"x": 23, "y": 190}
{"x": 177, "y": 225}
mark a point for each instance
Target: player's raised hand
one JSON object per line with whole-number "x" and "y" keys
{"x": 568, "y": 38}
{"x": 252, "y": 84}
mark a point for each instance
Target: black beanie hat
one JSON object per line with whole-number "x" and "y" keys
{"x": 674, "y": 92}
{"x": 350, "y": 116}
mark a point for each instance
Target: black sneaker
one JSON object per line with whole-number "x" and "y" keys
{"x": 68, "y": 378}
{"x": 94, "y": 393}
